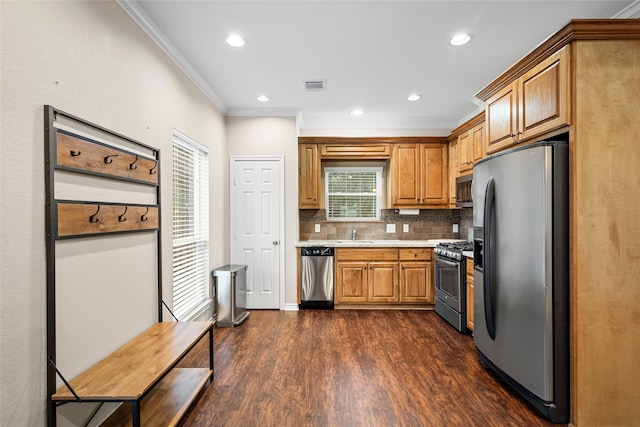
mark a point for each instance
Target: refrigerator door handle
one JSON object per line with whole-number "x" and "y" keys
{"x": 488, "y": 276}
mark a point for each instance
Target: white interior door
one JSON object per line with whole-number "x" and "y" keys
{"x": 256, "y": 216}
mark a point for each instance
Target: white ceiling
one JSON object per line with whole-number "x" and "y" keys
{"x": 372, "y": 54}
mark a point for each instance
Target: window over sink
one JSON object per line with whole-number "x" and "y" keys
{"x": 353, "y": 193}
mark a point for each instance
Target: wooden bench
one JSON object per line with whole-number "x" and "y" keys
{"x": 143, "y": 373}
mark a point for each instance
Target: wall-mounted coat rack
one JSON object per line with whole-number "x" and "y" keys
{"x": 76, "y": 219}
{"x": 82, "y": 154}
{"x": 84, "y": 158}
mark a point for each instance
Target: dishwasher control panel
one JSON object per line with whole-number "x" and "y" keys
{"x": 316, "y": 251}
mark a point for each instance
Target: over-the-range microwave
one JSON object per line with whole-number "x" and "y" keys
{"x": 463, "y": 191}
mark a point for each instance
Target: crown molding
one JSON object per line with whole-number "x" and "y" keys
{"x": 632, "y": 11}
{"x": 440, "y": 125}
{"x": 140, "y": 16}
{"x": 574, "y": 30}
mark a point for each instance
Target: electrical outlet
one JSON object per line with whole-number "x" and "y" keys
{"x": 455, "y": 228}
{"x": 405, "y": 228}
{"x": 391, "y": 228}
{"x": 317, "y": 228}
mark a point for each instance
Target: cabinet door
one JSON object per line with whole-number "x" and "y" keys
{"x": 465, "y": 152}
{"x": 405, "y": 175}
{"x": 308, "y": 177}
{"x": 477, "y": 141}
{"x": 453, "y": 172}
{"x": 501, "y": 118}
{"x": 470, "y": 296}
{"x": 383, "y": 282}
{"x": 435, "y": 176}
{"x": 351, "y": 282}
{"x": 416, "y": 282}
{"x": 543, "y": 96}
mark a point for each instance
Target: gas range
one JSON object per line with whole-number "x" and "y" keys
{"x": 450, "y": 273}
{"x": 452, "y": 250}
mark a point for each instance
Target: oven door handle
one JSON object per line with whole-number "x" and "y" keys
{"x": 444, "y": 261}
{"x": 488, "y": 279}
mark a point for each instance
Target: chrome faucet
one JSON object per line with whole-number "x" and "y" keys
{"x": 353, "y": 233}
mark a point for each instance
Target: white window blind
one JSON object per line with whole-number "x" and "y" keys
{"x": 353, "y": 193}
{"x": 190, "y": 226}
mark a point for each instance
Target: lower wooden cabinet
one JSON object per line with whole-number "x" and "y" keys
{"x": 352, "y": 282}
{"x": 384, "y": 276}
{"x": 383, "y": 282}
{"x": 416, "y": 276}
{"x": 470, "y": 288}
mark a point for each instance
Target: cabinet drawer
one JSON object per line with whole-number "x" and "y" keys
{"x": 415, "y": 254}
{"x": 372, "y": 254}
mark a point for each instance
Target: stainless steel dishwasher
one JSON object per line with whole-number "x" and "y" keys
{"x": 316, "y": 276}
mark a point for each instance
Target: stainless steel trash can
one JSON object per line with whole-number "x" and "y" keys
{"x": 231, "y": 294}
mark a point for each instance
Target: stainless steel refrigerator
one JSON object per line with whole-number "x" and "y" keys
{"x": 521, "y": 271}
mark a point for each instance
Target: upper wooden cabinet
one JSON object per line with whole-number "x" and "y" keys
{"x": 453, "y": 172}
{"x": 466, "y": 146}
{"x": 419, "y": 175}
{"x": 465, "y": 152}
{"x": 477, "y": 139}
{"x": 470, "y": 148}
{"x": 535, "y": 103}
{"x": 308, "y": 176}
{"x": 355, "y": 151}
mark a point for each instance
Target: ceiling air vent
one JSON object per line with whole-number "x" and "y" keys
{"x": 315, "y": 85}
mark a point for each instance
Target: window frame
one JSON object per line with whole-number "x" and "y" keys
{"x": 378, "y": 199}
{"x": 190, "y": 248}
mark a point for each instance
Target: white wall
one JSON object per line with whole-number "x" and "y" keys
{"x": 91, "y": 60}
{"x": 274, "y": 136}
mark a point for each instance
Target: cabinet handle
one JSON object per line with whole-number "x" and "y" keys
{"x": 519, "y": 133}
{"x": 513, "y": 135}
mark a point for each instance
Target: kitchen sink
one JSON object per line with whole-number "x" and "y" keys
{"x": 353, "y": 241}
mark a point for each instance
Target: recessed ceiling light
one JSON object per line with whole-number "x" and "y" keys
{"x": 263, "y": 98}
{"x": 235, "y": 40}
{"x": 414, "y": 97}
{"x": 356, "y": 112}
{"x": 460, "y": 39}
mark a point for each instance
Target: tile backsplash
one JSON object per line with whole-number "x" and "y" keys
{"x": 428, "y": 224}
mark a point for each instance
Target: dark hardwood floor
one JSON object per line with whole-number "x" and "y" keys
{"x": 351, "y": 368}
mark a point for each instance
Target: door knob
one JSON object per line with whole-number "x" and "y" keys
{"x": 275, "y": 242}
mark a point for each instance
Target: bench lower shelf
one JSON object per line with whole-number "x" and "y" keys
{"x": 166, "y": 403}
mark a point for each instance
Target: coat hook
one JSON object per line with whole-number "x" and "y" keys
{"x": 75, "y": 153}
{"x": 121, "y": 217}
{"x": 92, "y": 218}
{"x": 144, "y": 215}
{"x": 133, "y": 165}
{"x": 108, "y": 159}
{"x": 152, "y": 170}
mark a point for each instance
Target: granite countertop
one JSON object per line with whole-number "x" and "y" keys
{"x": 374, "y": 243}
{"x": 468, "y": 254}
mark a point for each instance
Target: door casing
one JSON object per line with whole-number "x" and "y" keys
{"x": 281, "y": 202}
